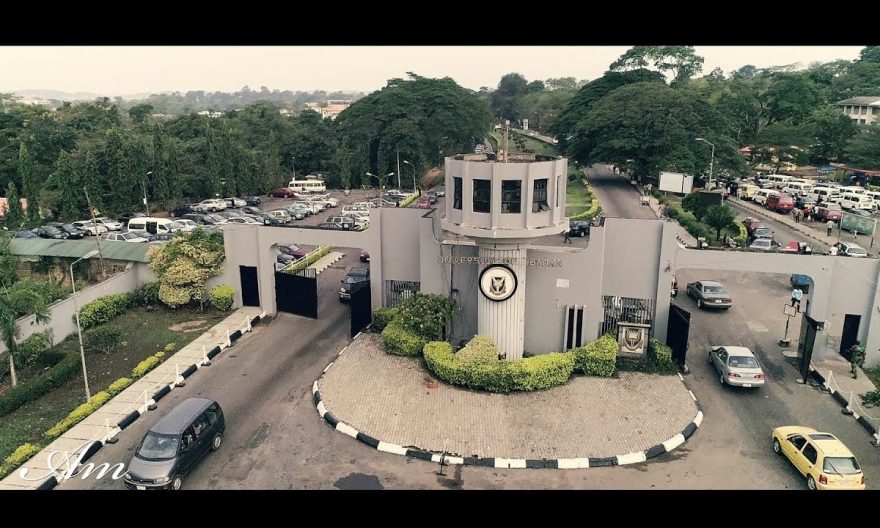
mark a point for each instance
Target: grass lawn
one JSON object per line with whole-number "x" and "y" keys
{"x": 577, "y": 198}
{"x": 145, "y": 332}
{"x": 523, "y": 143}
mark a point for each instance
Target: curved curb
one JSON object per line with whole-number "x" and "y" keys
{"x": 505, "y": 463}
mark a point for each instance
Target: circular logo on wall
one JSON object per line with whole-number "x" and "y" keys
{"x": 498, "y": 282}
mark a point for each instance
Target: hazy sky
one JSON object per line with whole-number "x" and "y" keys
{"x": 126, "y": 70}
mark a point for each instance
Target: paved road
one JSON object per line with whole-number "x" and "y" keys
{"x": 617, "y": 196}
{"x": 781, "y": 232}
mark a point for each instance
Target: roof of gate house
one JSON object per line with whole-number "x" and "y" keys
{"x": 47, "y": 247}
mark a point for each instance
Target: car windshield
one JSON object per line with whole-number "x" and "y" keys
{"x": 742, "y": 362}
{"x": 158, "y": 447}
{"x": 128, "y": 236}
{"x": 841, "y": 466}
{"x": 354, "y": 278}
{"x": 713, "y": 289}
{"x": 857, "y": 251}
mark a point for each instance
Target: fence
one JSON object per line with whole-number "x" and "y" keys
{"x": 854, "y": 405}
{"x": 625, "y": 309}
{"x": 398, "y": 291}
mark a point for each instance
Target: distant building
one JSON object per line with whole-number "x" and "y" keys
{"x": 863, "y": 110}
{"x": 33, "y": 101}
{"x": 4, "y": 206}
{"x": 330, "y": 108}
{"x": 287, "y": 112}
{"x": 210, "y": 113}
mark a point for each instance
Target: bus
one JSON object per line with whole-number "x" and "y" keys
{"x": 310, "y": 186}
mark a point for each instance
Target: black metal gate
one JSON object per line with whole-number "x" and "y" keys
{"x": 361, "y": 308}
{"x": 805, "y": 345}
{"x": 297, "y": 293}
{"x": 677, "y": 333}
{"x": 250, "y": 289}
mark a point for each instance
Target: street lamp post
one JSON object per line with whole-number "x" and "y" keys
{"x": 711, "y": 160}
{"x": 293, "y": 162}
{"x": 405, "y": 162}
{"x": 382, "y": 181}
{"x": 144, "y": 188}
{"x": 82, "y": 352}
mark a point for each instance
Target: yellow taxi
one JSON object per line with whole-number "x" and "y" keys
{"x": 821, "y": 457}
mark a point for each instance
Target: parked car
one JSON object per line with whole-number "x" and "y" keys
{"x": 268, "y": 219}
{"x": 828, "y": 212}
{"x": 89, "y": 228}
{"x": 183, "y": 224}
{"x": 709, "y": 294}
{"x": 125, "y": 217}
{"x": 432, "y": 197}
{"x": 849, "y": 249}
{"x": 252, "y": 200}
{"x": 423, "y": 203}
{"x": 212, "y": 205}
{"x": 762, "y": 232}
{"x": 111, "y": 225}
{"x": 151, "y": 237}
{"x": 293, "y": 250}
{"x": 131, "y": 236}
{"x": 365, "y": 257}
{"x": 25, "y": 234}
{"x": 355, "y": 279}
{"x": 249, "y": 209}
{"x": 441, "y": 191}
{"x": 781, "y": 203}
{"x": 343, "y": 222}
{"x": 805, "y": 203}
{"x": 245, "y": 220}
{"x": 176, "y": 444}
{"x": 860, "y": 212}
{"x": 796, "y": 246}
{"x": 283, "y": 192}
{"x": 751, "y": 224}
{"x": 577, "y": 228}
{"x": 280, "y": 214}
{"x": 330, "y": 225}
{"x": 72, "y": 232}
{"x": 821, "y": 457}
{"x": 736, "y": 366}
{"x": 50, "y": 232}
{"x": 764, "y": 244}
{"x": 235, "y": 202}
{"x": 199, "y": 218}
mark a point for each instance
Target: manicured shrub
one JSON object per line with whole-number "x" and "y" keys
{"x": 661, "y": 357}
{"x": 383, "y": 316}
{"x": 77, "y": 415}
{"x": 22, "y": 454}
{"x": 426, "y": 315}
{"x": 104, "y": 309}
{"x": 310, "y": 259}
{"x": 597, "y": 358}
{"x": 400, "y": 341}
{"x": 409, "y": 199}
{"x": 481, "y": 349}
{"x": 119, "y": 385}
{"x": 31, "y": 349}
{"x": 104, "y": 339}
{"x": 169, "y": 348}
{"x": 147, "y": 365}
{"x": 148, "y": 294}
{"x": 222, "y": 297}
{"x": 32, "y": 389}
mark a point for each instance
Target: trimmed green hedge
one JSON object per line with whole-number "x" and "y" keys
{"x": 28, "y": 352}
{"x": 400, "y": 341}
{"x": 687, "y": 220}
{"x": 148, "y": 294}
{"x": 594, "y": 209}
{"x": 22, "y": 454}
{"x": 106, "y": 308}
{"x": 222, "y": 297}
{"x": 597, "y": 358}
{"x": 661, "y": 356}
{"x": 147, "y": 365}
{"x": 119, "y": 385}
{"x": 534, "y": 373}
{"x": 77, "y": 415}
{"x": 104, "y": 339}
{"x": 481, "y": 349}
{"x": 383, "y": 316}
{"x": 409, "y": 199}
{"x": 743, "y": 235}
{"x": 32, "y": 389}
{"x": 310, "y": 259}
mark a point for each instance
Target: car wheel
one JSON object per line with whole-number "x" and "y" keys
{"x": 811, "y": 483}
{"x": 721, "y": 379}
{"x": 583, "y": 234}
{"x": 776, "y": 447}
{"x": 176, "y": 483}
{"x": 218, "y": 439}
{"x": 699, "y": 304}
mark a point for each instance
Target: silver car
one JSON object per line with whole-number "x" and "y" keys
{"x": 736, "y": 366}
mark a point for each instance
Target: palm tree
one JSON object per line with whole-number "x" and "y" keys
{"x": 720, "y": 217}
{"x": 20, "y": 298}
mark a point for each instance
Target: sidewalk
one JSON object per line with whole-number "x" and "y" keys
{"x": 326, "y": 261}
{"x": 118, "y": 413}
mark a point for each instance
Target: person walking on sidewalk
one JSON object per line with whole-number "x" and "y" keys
{"x": 829, "y": 226}
{"x": 856, "y": 358}
{"x": 567, "y": 235}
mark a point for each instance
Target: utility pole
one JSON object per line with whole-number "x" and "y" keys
{"x": 398, "y": 168}
{"x": 144, "y": 188}
{"x": 97, "y": 235}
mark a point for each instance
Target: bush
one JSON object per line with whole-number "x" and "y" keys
{"x": 104, "y": 339}
{"x": 77, "y": 415}
{"x": 148, "y": 294}
{"x": 400, "y": 341}
{"x": 310, "y": 259}
{"x": 661, "y": 357}
{"x": 409, "y": 199}
{"x": 426, "y": 315}
{"x": 597, "y": 358}
{"x": 50, "y": 357}
{"x": 383, "y": 316}
{"x": 222, "y": 297}
{"x": 29, "y": 351}
{"x": 742, "y": 236}
{"x": 534, "y": 373}
{"x": 147, "y": 365}
{"x": 30, "y": 390}
{"x": 104, "y": 309}
{"x": 481, "y": 349}
{"x": 22, "y": 454}
{"x": 169, "y": 348}
{"x": 119, "y": 385}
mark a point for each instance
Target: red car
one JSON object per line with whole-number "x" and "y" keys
{"x": 752, "y": 224}
{"x": 827, "y": 212}
{"x": 283, "y": 192}
{"x": 365, "y": 257}
{"x": 423, "y": 203}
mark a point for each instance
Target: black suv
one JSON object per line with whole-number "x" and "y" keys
{"x": 356, "y": 279}
{"x": 578, "y": 229}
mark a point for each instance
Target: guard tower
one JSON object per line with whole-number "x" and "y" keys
{"x": 503, "y": 204}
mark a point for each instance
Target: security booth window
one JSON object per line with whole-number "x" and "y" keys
{"x": 539, "y": 201}
{"x": 482, "y": 196}
{"x": 511, "y": 196}
{"x": 456, "y": 193}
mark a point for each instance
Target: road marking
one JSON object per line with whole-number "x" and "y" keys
{"x": 391, "y": 448}
{"x": 510, "y": 463}
{"x": 573, "y": 463}
{"x": 343, "y": 427}
{"x": 699, "y": 418}
{"x": 673, "y": 442}
{"x": 631, "y": 458}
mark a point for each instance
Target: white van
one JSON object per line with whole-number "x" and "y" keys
{"x": 853, "y": 189}
{"x": 779, "y": 180}
{"x": 762, "y": 194}
{"x": 310, "y": 186}
{"x": 875, "y": 196}
{"x": 798, "y": 188}
{"x": 856, "y": 201}
{"x": 826, "y": 194}
{"x": 154, "y": 226}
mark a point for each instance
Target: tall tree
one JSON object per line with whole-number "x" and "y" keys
{"x": 65, "y": 180}
{"x": 30, "y": 186}
{"x": 140, "y": 112}
{"x": 863, "y": 151}
{"x": 720, "y": 217}
{"x": 505, "y": 98}
{"x": 90, "y": 179}
{"x": 13, "y": 301}
{"x": 15, "y": 217}
{"x": 681, "y": 62}
{"x": 832, "y": 132}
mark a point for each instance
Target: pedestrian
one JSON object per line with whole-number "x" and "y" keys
{"x": 856, "y": 358}
{"x": 829, "y": 226}
{"x": 796, "y": 296}
{"x": 567, "y": 237}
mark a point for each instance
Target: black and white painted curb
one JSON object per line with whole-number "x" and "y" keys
{"x": 843, "y": 402}
{"x": 506, "y": 463}
{"x": 150, "y": 404}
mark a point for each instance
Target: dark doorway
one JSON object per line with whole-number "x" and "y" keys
{"x": 250, "y": 288}
{"x": 297, "y": 293}
{"x": 677, "y": 333}
{"x": 805, "y": 345}
{"x": 361, "y": 308}
{"x": 850, "y": 333}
